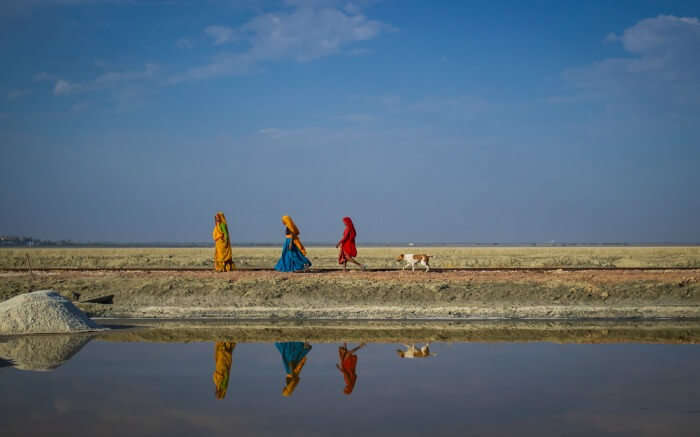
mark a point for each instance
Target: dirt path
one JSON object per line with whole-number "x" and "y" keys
{"x": 376, "y": 295}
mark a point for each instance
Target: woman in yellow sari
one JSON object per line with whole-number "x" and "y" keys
{"x": 223, "y": 357}
{"x": 223, "y": 261}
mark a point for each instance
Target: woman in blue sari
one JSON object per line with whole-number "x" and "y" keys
{"x": 293, "y": 357}
{"x": 293, "y": 252}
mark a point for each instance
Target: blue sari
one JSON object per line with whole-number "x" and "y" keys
{"x": 292, "y": 353}
{"x": 292, "y": 260}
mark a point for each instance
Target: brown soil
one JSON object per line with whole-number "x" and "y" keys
{"x": 376, "y": 295}
{"x": 183, "y": 331}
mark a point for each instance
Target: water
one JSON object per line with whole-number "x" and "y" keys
{"x": 147, "y": 389}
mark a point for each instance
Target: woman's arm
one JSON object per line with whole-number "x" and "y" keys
{"x": 346, "y": 236}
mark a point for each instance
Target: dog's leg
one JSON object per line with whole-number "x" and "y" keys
{"x": 427, "y": 266}
{"x": 413, "y": 267}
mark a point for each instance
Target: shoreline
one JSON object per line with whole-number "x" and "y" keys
{"x": 329, "y": 331}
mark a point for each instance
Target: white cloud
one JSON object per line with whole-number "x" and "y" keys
{"x": 64, "y": 87}
{"x": 663, "y": 66}
{"x": 305, "y": 33}
{"x": 220, "y": 34}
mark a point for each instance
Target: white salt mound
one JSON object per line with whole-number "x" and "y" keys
{"x": 42, "y": 312}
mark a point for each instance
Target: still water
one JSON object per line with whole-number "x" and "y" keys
{"x": 480, "y": 389}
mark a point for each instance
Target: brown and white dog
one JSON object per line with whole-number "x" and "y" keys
{"x": 412, "y": 258}
{"x": 415, "y": 352}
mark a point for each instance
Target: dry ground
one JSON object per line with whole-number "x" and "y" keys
{"x": 376, "y": 295}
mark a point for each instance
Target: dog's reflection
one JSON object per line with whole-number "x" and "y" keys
{"x": 415, "y": 352}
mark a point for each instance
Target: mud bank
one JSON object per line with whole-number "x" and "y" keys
{"x": 376, "y": 295}
{"x": 584, "y": 332}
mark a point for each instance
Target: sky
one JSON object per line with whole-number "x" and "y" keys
{"x": 480, "y": 121}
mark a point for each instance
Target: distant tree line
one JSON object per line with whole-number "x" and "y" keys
{"x": 14, "y": 241}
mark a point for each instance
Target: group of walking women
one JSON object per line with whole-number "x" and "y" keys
{"x": 293, "y": 358}
{"x": 293, "y": 257}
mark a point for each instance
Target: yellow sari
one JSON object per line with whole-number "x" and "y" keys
{"x": 223, "y": 256}
{"x": 223, "y": 357}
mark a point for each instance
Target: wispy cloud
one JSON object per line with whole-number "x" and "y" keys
{"x": 25, "y": 7}
{"x": 17, "y": 93}
{"x": 44, "y": 76}
{"x": 64, "y": 87}
{"x": 221, "y": 34}
{"x": 80, "y": 106}
{"x": 358, "y": 51}
{"x": 663, "y": 66}
{"x": 357, "y": 118}
{"x": 309, "y": 31}
{"x": 184, "y": 43}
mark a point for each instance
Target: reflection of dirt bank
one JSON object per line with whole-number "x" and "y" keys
{"x": 182, "y": 331}
{"x": 377, "y": 295}
{"x": 41, "y": 352}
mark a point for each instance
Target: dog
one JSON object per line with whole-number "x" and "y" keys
{"x": 411, "y": 259}
{"x": 414, "y": 352}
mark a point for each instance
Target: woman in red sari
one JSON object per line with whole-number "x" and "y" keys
{"x": 348, "y": 250}
{"x": 347, "y": 362}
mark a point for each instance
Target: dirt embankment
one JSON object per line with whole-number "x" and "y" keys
{"x": 406, "y": 332}
{"x": 376, "y": 295}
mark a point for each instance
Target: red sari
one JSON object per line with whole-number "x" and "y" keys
{"x": 347, "y": 243}
{"x": 348, "y": 363}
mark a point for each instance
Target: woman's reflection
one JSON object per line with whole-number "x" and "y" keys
{"x": 223, "y": 357}
{"x": 347, "y": 362}
{"x": 294, "y": 358}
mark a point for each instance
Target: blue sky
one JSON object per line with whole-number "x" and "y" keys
{"x": 424, "y": 121}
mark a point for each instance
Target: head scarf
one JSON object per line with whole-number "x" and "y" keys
{"x": 291, "y": 227}
{"x": 289, "y": 223}
{"x": 292, "y": 383}
{"x": 293, "y": 379}
{"x": 350, "y": 225}
{"x": 223, "y": 226}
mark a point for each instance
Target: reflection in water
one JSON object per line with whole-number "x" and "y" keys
{"x": 347, "y": 361}
{"x": 294, "y": 358}
{"x": 223, "y": 357}
{"x": 415, "y": 352}
{"x": 41, "y": 352}
{"x": 486, "y": 389}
